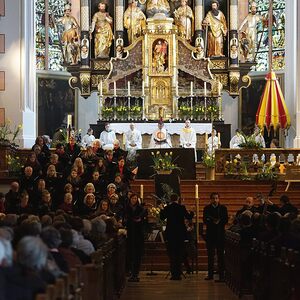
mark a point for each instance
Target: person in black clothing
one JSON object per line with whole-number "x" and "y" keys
{"x": 72, "y": 150}
{"x": 175, "y": 234}
{"x": 266, "y": 206}
{"x": 12, "y": 198}
{"x": 249, "y": 205}
{"x": 215, "y": 217}
{"x": 134, "y": 220}
{"x": 286, "y": 207}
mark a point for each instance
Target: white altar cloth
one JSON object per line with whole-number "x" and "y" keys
{"x": 173, "y": 128}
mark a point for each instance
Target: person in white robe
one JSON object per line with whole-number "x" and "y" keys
{"x": 88, "y": 139}
{"x": 160, "y": 137}
{"x": 236, "y": 140}
{"x": 188, "y": 138}
{"x": 213, "y": 142}
{"x": 133, "y": 139}
{"x": 259, "y": 138}
{"x": 107, "y": 138}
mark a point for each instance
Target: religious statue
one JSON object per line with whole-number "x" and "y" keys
{"x": 102, "y": 25}
{"x": 157, "y": 6}
{"x": 199, "y": 45}
{"x": 216, "y": 26}
{"x": 184, "y": 19}
{"x": 160, "y": 56}
{"x": 85, "y": 45}
{"x": 119, "y": 47}
{"x": 234, "y": 47}
{"x": 134, "y": 21}
{"x": 248, "y": 37}
{"x": 70, "y": 36}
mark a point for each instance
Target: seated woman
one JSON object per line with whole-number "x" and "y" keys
{"x": 89, "y": 206}
{"x": 67, "y": 205}
{"x": 97, "y": 149}
{"x": 44, "y": 154}
{"x": 103, "y": 209}
{"x": 89, "y": 159}
{"x": 53, "y": 184}
{"x": 78, "y": 164}
{"x": 32, "y": 162}
{"x": 76, "y": 183}
{"x": 99, "y": 184}
{"x": 24, "y": 206}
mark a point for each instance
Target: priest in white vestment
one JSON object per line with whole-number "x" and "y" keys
{"x": 133, "y": 139}
{"x": 188, "y": 136}
{"x": 236, "y": 140}
{"x": 213, "y": 142}
{"x": 160, "y": 137}
{"x": 259, "y": 137}
{"x": 107, "y": 138}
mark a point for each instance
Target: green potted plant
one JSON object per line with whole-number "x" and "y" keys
{"x": 209, "y": 162}
{"x": 163, "y": 163}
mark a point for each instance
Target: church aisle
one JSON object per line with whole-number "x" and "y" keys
{"x": 194, "y": 287}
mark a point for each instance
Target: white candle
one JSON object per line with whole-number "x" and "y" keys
{"x": 205, "y": 139}
{"x": 101, "y": 88}
{"x": 205, "y": 89}
{"x": 142, "y": 191}
{"x": 196, "y": 191}
{"x": 176, "y": 91}
{"x": 192, "y": 88}
{"x": 69, "y": 121}
{"x": 115, "y": 88}
{"x": 219, "y": 138}
{"x": 143, "y": 88}
{"x": 128, "y": 87}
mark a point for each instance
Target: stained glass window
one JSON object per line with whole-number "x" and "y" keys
{"x": 48, "y": 52}
{"x": 278, "y": 33}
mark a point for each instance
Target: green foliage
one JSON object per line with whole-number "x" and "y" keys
{"x": 250, "y": 143}
{"x": 8, "y": 134}
{"x": 209, "y": 160}
{"x": 163, "y": 162}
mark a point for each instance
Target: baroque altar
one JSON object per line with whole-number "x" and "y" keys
{"x": 158, "y": 61}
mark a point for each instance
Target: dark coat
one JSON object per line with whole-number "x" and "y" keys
{"x": 175, "y": 214}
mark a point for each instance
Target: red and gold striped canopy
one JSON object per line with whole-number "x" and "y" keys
{"x": 272, "y": 110}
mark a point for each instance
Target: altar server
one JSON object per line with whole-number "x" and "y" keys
{"x": 213, "y": 142}
{"x": 107, "y": 138}
{"x": 259, "y": 138}
{"x": 160, "y": 137}
{"x": 133, "y": 139}
{"x": 188, "y": 136}
{"x": 236, "y": 140}
{"x": 88, "y": 139}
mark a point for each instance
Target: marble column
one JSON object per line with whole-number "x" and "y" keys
{"x": 233, "y": 33}
{"x": 199, "y": 16}
{"x": 119, "y": 16}
{"x": 85, "y": 28}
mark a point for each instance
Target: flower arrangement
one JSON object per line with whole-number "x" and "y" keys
{"x": 198, "y": 111}
{"x": 121, "y": 112}
{"x": 163, "y": 162}
{"x": 250, "y": 143}
{"x": 209, "y": 160}
{"x": 154, "y": 212}
{"x": 15, "y": 164}
{"x": 9, "y": 135}
{"x": 184, "y": 111}
{"x": 107, "y": 112}
{"x": 213, "y": 112}
{"x": 135, "y": 111}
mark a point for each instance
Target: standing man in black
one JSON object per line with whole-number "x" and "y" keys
{"x": 215, "y": 217}
{"x": 175, "y": 214}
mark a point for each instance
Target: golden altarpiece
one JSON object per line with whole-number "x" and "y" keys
{"x": 160, "y": 66}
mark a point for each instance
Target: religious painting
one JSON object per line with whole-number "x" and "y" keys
{"x": 56, "y": 100}
{"x": 160, "y": 55}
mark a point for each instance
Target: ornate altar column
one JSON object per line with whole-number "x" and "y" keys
{"x": 119, "y": 15}
{"x": 85, "y": 27}
{"x": 199, "y": 16}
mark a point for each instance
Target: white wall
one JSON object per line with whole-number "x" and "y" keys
{"x": 231, "y": 111}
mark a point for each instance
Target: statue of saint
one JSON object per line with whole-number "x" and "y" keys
{"x": 248, "y": 40}
{"x": 157, "y": 6}
{"x": 119, "y": 47}
{"x": 160, "y": 56}
{"x": 199, "y": 45}
{"x": 102, "y": 25}
{"x": 70, "y": 36}
{"x": 134, "y": 21}
{"x": 215, "y": 23}
{"x": 184, "y": 19}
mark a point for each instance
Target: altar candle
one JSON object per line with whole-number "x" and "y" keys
{"x": 115, "y": 88}
{"x": 192, "y": 89}
{"x": 101, "y": 88}
{"x": 143, "y": 88}
{"x": 128, "y": 87}
{"x": 196, "y": 191}
{"x": 69, "y": 122}
{"x": 205, "y": 140}
{"x": 142, "y": 191}
{"x": 176, "y": 91}
{"x": 124, "y": 139}
{"x": 205, "y": 89}
{"x": 219, "y": 138}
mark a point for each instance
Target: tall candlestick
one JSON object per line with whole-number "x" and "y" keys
{"x": 115, "y": 88}
{"x": 205, "y": 89}
{"x": 192, "y": 88}
{"x": 69, "y": 121}
{"x": 205, "y": 140}
{"x": 128, "y": 87}
{"x": 142, "y": 191}
{"x": 101, "y": 88}
{"x": 143, "y": 88}
{"x": 219, "y": 139}
{"x": 176, "y": 90}
{"x": 196, "y": 191}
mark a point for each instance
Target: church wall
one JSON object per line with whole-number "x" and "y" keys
{"x": 230, "y": 108}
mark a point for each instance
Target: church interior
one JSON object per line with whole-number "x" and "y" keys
{"x": 149, "y": 148}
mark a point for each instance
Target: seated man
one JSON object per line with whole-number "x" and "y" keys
{"x": 188, "y": 136}
{"x": 118, "y": 152}
{"x": 236, "y": 140}
{"x": 160, "y": 137}
{"x": 249, "y": 205}
{"x": 107, "y": 138}
{"x": 133, "y": 139}
{"x": 213, "y": 142}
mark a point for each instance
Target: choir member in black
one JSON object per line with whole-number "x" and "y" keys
{"x": 99, "y": 184}
{"x": 110, "y": 166}
{"x": 27, "y": 182}
{"x": 34, "y": 164}
{"x": 43, "y": 153}
{"x": 59, "y": 167}
{"x": 72, "y": 150}
{"x": 45, "y": 207}
{"x": 53, "y": 185}
{"x": 122, "y": 170}
{"x": 175, "y": 233}
{"x": 122, "y": 187}
{"x": 24, "y": 206}
{"x": 116, "y": 207}
{"x": 249, "y": 205}
{"x": 118, "y": 152}
{"x": 97, "y": 149}
{"x": 215, "y": 217}
{"x": 286, "y": 207}
{"x": 89, "y": 206}
{"x": 89, "y": 159}
{"x": 63, "y": 158}
{"x": 76, "y": 183}
{"x": 103, "y": 209}
{"x": 266, "y": 206}
{"x": 134, "y": 219}
{"x": 67, "y": 205}
{"x": 12, "y": 198}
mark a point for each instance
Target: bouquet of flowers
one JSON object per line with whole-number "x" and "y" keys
{"x": 121, "y": 111}
{"x": 107, "y": 112}
{"x": 163, "y": 162}
{"x": 7, "y": 134}
{"x": 136, "y": 111}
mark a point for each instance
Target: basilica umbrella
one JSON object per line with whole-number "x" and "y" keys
{"x": 272, "y": 110}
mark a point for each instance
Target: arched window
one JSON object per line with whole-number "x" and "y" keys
{"x": 278, "y": 34}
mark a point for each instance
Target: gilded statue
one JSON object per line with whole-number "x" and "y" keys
{"x": 248, "y": 37}
{"x": 157, "y": 6}
{"x": 184, "y": 19}
{"x": 70, "y": 36}
{"x": 215, "y": 23}
{"x": 160, "y": 56}
{"x": 134, "y": 21}
{"x": 102, "y": 25}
